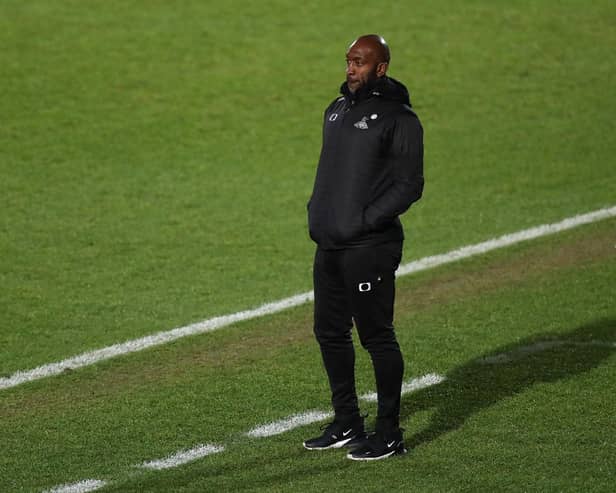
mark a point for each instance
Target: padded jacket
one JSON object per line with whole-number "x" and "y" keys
{"x": 370, "y": 170}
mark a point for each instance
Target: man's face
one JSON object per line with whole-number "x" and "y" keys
{"x": 362, "y": 65}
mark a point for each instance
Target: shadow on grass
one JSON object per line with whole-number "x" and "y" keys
{"x": 468, "y": 389}
{"x": 506, "y": 372}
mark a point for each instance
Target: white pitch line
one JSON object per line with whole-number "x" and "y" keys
{"x": 92, "y": 357}
{"x": 309, "y": 417}
{"x": 287, "y": 424}
{"x": 270, "y": 429}
{"x": 412, "y": 386}
{"x": 506, "y": 240}
{"x": 80, "y": 487}
{"x": 183, "y": 457}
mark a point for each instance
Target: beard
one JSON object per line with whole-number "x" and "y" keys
{"x": 358, "y": 82}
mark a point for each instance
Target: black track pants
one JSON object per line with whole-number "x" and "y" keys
{"x": 358, "y": 284}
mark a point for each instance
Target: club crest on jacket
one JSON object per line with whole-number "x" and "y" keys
{"x": 362, "y": 124}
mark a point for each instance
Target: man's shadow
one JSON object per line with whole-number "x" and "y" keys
{"x": 507, "y": 371}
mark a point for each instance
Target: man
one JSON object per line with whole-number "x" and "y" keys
{"x": 370, "y": 171}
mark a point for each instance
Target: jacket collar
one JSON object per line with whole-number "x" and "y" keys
{"x": 384, "y": 87}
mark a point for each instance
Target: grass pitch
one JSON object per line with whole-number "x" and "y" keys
{"x": 156, "y": 160}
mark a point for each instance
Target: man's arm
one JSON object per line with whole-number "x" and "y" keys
{"x": 406, "y": 156}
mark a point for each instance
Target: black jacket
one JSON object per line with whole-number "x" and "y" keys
{"x": 370, "y": 170}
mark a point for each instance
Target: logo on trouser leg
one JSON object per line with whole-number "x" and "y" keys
{"x": 364, "y": 286}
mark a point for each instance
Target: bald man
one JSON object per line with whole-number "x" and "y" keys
{"x": 370, "y": 172}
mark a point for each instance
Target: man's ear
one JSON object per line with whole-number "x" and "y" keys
{"x": 381, "y": 69}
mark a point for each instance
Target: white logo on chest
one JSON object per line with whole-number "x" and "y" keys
{"x": 363, "y": 123}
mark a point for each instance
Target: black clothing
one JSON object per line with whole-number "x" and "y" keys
{"x": 358, "y": 284}
{"x": 370, "y": 170}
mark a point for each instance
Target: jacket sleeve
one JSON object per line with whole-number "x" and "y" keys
{"x": 407, "y": 181}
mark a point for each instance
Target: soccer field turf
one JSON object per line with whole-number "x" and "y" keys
{"x": 155, "y": 163}
{"x": 526, "y": 341}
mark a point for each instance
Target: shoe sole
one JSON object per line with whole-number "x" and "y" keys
{"x": 339, "y": 444}
{"x": 385, "y": 456}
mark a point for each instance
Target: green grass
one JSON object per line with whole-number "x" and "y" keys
{"x": 155, "y": 162}
{"x": 541, "y": 422}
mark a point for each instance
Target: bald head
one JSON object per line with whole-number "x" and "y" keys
{"x": 375, "y": 43}
{"x": 367, "y": 59}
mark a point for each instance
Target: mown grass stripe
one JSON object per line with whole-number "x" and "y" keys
{"x": 92, "y": 357}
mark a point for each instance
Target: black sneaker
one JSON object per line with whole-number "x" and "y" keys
{"x": 336, "y": 435}
{"x": 358, "y": 441}
{"x": 379, "y": 446}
